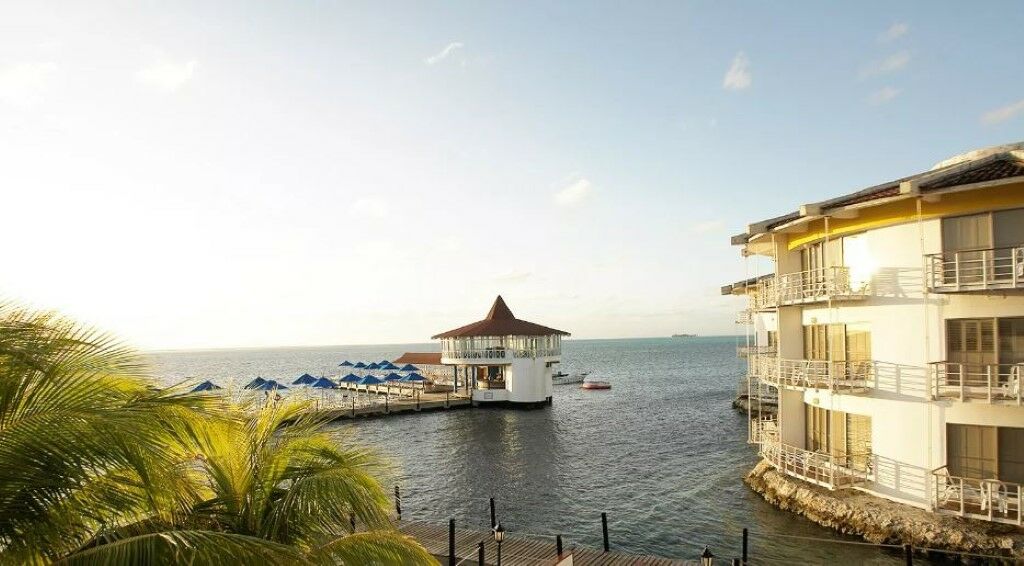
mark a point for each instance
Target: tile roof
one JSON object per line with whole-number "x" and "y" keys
{"x": 500, "y": 322}
{"x": 420, "y": 358}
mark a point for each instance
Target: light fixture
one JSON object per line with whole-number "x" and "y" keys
{"x": 706, "y": 558}
{"x": 499, "y": 536}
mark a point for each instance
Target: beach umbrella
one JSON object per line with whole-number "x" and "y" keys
{"x": 409, "y": 367}
{"x": 390, "y": 366}
{"x": 383, "y": 363}
{"x": 359, "y": 365}
{"x": 392, "y": 377}
{"x": 324, "y": 383}
{"x": 270, "y": 385}
{"x": 372, "y": 365}
{"x": 350, "y": 378}
{"x": 370, "y": 380}
{"x": 304, "y": 379}
{"x": 345, "y": 363}
{"x": 255, "y": 384}
{"x": 205, "y": 386}
{"x": 414, "y": 377}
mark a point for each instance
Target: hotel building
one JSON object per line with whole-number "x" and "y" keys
{"x": 890, "y": 331}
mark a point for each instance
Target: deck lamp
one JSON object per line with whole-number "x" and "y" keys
{"x": 499, "y": 536}
{"x": 706, "y": 558}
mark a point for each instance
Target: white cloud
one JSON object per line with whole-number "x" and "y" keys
{"x": 738, "y": 76}
{"x": 883, "y": 95}
{"x": 707, "y": 226}
{"x": 1000, "y": 115}
{"x": 167, "y": 76}
{"x": 890, "y": 64}
{"x": 574, "y": 193}
{"x": 444, "y": 53}
{"x": 371, "y": 207}
{"x": 22, "y": 84}
{"x": 894, "y": 32}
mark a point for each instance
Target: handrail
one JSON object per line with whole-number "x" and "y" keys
{"x": 976, "y": 270}
{"x": 498, "y": 353}
{"x": 963, "y": 381}
{"x": 755, "y": 350}
{"x": 809, "y": 286}
{"x": 828, "y": 470}
{"x": 991, "y": 499}
{"x": 817, "y": 374}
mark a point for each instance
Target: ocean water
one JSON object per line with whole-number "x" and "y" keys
{"x": 662, "y": 453}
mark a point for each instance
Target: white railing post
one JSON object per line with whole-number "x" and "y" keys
{"x": 985, "y": 254}
{"x": 988, "y": 378}
{"x": 956, "y": 270}
{"x": 960, "y": 369}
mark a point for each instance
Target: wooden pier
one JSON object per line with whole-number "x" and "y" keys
{"x": 518, "y": 550}
{"x": 395, "y": 404}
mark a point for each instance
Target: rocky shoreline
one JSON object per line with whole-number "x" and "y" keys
{"x": 881, "y": 521}
{"x": 742, "y": 404}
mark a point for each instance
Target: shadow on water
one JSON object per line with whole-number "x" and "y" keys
{"x": 662, "y": 452}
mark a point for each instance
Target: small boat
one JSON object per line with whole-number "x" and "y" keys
{"x": 561, "y": 378}
{"x": 596, "y": 385}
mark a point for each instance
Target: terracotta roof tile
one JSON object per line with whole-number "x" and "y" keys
{"x": 500, "y": 322}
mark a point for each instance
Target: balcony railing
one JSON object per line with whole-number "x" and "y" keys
{"x": 744, "y": 351}
{"x": 976, "y": 270}
{"x": 764, "y": 430}
{"x": 987, "y": 382}
{"x": 827, "y": 470}
{"x": 745, "y": 317}
{"x": 991, "y": 499}
{"x": 812, "y": 286}
{"x": 817, "y": 374}
{"x": 500, "y": 353}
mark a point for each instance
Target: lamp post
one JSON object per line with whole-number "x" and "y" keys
{"x": 499, "y": 536}
{"x": 706, "y": 558}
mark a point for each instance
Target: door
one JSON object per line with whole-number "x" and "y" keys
{"x": 963, "y": 239}
{"x": 1008, "y": 239}
{"x": 971, "y": 451}
{"x": 971, "y": 347}
{"x": 858, "y": 441}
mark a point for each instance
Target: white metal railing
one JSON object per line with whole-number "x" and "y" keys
{"x": 815, "y": 285}
{"x": 823, "y": 374}
{"x": 989, "y": 499}
{"x": 827, "y": 470}
{"x": 755, "y": 350}
{"x": 989, "y": 382}
{"x": 745, "y": 317}
{"x": 500, "y": 353}
{"x": 764, "y": 429}
{"x": 976, "y": 270}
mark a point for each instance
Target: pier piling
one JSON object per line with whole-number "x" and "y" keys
{"x": 493, "y": 520}
{"x": 480, "y": 553}
{"x": 745, "y": 538}
{"x": 908, "y": 554}
{"x": 558, "y": 545}
{"x": 604, "y": 529}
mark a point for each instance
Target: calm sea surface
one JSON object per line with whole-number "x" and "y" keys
{"x": 662, "y": 453}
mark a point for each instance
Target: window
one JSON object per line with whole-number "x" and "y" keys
{"x": 844, "y": 435}
{"x": 837, "y": 342}
{"x": 977, "y": 346}
{"x": 980, "y": 248}
{"x": 985, "y": 452}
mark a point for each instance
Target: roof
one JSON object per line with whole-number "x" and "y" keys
{"x": 994, "y": 164}
{"x": 742, "y": 286}
{"x": 500, "y": 322}
{"x": 420, "y": 358}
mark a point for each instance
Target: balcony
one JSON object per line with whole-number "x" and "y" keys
{"x": 745, "y": 351}
{"x": 813, "y": 286}
{"x": 990, "y": 500}
{"x": 764, "y": 430}
{"x": 992, "y": 383}
{"x": 845, "y": 376}
{"x": 745, "y": 317}
{"x": 995, "y": 269}
{"x": 827, "y": 470}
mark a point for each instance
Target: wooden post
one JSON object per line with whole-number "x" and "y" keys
{"x": 493, "y": 521}
{"x": 445, "y": 399}
{"x": 398, "y": 503}
{"x": 417, "y": 399}
{"x": 386, "y": 408}
{"x": 908, "y": 554}
{"x": 451, "y": 542}
{"x": 604, "y": 529}
{"x": 745, "y": 537}
{"x": 480, "y": 553}
{"x": 735, "y": 562}
{"x": 353, "y": 406}
{"x": 558, "y": 545}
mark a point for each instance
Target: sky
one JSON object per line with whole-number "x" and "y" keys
{"x": 229, "y": 174}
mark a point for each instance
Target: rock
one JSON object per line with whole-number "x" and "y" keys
{"x": 881, "y": 521}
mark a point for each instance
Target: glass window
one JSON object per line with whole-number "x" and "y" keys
{"x": 971, "y": 451}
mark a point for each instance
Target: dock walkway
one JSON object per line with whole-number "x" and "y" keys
{"x": 394, "y": 405}
{"x": 517, "y": 550}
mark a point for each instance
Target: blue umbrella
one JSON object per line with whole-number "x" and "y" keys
{"x": 324, "y": 383}
{"x": 409, "y": 367}
{"x": 383, "y": 363}
{"x": 392, "y": 377}
{"x": 390, "y": 366}
{"x": 205, "y": 386}
{"x": 270, "y": 385}
{"x": 255, "y": 384}
{"x": 350, "y": 378}
{"x": 359, "y": 365}
{"x": 370, "y": 380}
{"x": 345, "y": 363}
{"x": 304, "y": 379}
{"x": 372, "y": 365}
{"x": 414, "y": 377}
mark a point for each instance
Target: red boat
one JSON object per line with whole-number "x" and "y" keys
{"x": 596, "y": 385}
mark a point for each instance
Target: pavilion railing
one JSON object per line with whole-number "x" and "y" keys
{"x": 499, "y": 353}
{"x": 976, "y": 270}
{"x": 988, "y": 499}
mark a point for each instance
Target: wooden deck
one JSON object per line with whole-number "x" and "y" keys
{"x": 425, "y": 402}
{"x": 517, "y": 550}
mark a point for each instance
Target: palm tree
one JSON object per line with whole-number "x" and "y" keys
{"x": 98, "y": 466}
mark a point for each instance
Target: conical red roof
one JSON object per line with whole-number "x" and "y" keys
{"x": 500, "y": 322}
